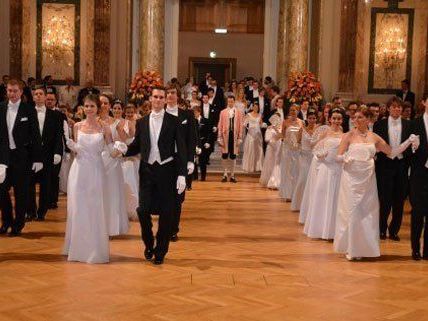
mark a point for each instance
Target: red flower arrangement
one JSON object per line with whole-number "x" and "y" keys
{"x": 303, "y": 86}
{"x": 142, "y": 84}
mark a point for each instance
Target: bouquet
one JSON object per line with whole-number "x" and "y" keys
{"x": 142, "y": 84}
{"x": 303, "y": 86}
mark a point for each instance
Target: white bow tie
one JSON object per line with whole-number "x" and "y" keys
{"x": 157, "y": 115}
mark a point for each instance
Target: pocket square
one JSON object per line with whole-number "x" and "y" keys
{"x": 184, "y": 122}
{"x": 24, "y": 119}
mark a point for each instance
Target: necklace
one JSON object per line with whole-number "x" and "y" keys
{"x": 362, "y": 134}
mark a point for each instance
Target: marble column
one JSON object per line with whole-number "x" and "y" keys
{"x": 152, "y": 35}
{"x": 292, "y": 38}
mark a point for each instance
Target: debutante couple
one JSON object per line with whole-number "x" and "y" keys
{"x": 161, "y": 144}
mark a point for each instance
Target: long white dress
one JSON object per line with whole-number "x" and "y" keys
{"x": 66, "y": 162}
{"x": 252, "y": 159}
{"x": 305, "y": 159}
{"x": 312, "y": 173}
{"x": 130, "y": 166}
{"x": 289, "y": 162}
{"x": 86, "y": 236}
{"x": 357, "y": 226}
{"x": 115, "y": 185}
{"x": 321, "y": 215}
{"x": 273, "y": 146}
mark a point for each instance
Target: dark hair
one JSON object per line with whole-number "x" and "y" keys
{"x": 109, "y": 98}
{"x": 352, "y": 103}
{"x": 407, "y": 104}
{"x": 335, "y": 98}
{"x": 231, "y": 96}
{"x": 394, "y": 100}
{"x": 40, "y": 87}
{"x": 118, "y": 102}
{"x": 406, "y": 81}
{"x": 210, "y": 89}
{"x": 94, "y": 98}
{"x": 158, "y": 88}
{"x": 275, "y": 89}
{"x": 336, "y": 111}
{"x": 287, "y": 110}
{"x": 312, "y": 111}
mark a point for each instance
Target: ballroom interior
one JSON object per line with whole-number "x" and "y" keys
{"x": 241, "y": 254}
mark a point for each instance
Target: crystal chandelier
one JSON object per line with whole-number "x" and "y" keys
{"x": 58, "y": 40}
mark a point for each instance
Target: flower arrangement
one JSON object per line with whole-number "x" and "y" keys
{"x": 142, "y": 84}
{"x": 303, "y": 86}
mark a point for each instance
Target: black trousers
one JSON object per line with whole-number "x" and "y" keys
{"x": 203, "y": 161}
{"x": 419, "y": 202}
{"x": 392, "y": 182}
{"x": 18, "y": 176}
{"x": 44, "y": 178}
{"x": 157, "y": 190}
{"x": 54, "y": 188}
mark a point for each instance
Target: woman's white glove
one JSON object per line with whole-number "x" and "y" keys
{"x": 320, "y": 154}
{"x": 346, "y": 159}
{"x": 412, "y": 140}
{"x": 2, "y": 173}
{"x": 72, "y": 145}
{"x": 118, "y": 149}
{"x": 181, "y": 184}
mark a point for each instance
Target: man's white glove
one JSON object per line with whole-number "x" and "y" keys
{"x": 181, "y": 184}
{"x": 57, "y": 159}
{"x": 214, "y": 129}
{"x": 264, "y": 125}
{"x": 198, "y": 151}
{"x": 190, "y": 167}
{"x": 37, "y": 167}
{"x": 206, "y": 145}
{"x": 2, "y": 173}
{"x": 414, "y": 139}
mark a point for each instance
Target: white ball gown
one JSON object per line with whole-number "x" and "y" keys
{"x": 311, "y": 177}
{"x": 305, "y": 159}
{"x": 86, "y": 236}
{"x": 130, "y": 166}
{"x": 357, "y": 226}
{"x": 252, "y": 160}
{"x": 66, "y": 162}
{"x": 270, "y": 175}
{"x": 115, "y": 185}
{"x": 321, "y": 212}
{"x": 289, "y": 162}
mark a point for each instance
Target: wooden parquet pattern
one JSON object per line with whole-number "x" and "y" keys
{"x": 241, "y": 256}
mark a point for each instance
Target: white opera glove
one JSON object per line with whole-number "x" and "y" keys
{"x": 415, "y": 142}
{"x": 239, "y": 141}
{"x": 264, "y": 125}
{"x": 321, "y": 154}
{"x": 190, "y": 167}
{"x": 66, "y": 129}
{"x": 2, "y": 173}
{"x": 346, "y": 159}
{"x": 57, "y": 159}
{"x": 37, "y": 167}
{"x": 403, "y": 146}
{"x": 214, "y": 129}
{"x": 206, "y": 145}
{"x": 181, "y": 184}
{"x": 67, "y": 157}
{"x": 72, "y": 145}
{"x": 117, "y": 149}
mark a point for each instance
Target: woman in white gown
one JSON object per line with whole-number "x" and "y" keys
{"x": 321, "y": 211}
{"x": 290, "y": 153}
{"x": 252, "y": 160}
{"x": 67, "y": 159}
{"x": 273, "y": 140}
{"x": 305, "y": 158}
{"x": 115, "y": 184}
{"x": 86, "y": 236}
{"x": 357, "y": 227}
{"x": 130, "y": 165}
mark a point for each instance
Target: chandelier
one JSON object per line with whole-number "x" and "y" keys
{"x": 58, "y": 40}
{"x": 391, "y": 49}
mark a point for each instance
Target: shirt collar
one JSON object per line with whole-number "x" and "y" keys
{"x": 172, "y": 110}
{"x": 155, "y": 115}
{"x": 394, "y": 121}
{"x": 14, "y": 105}
{"x": 41, "y": 108}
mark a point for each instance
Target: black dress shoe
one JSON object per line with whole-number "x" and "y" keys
{"x": 224, "y": 179}
{"x": 158, "y": 260}
{"x": 3, "y": 229}
{"x": 174, "y": 238}
{"x": 416, "y": 256}
{"x": 383, "y": 236}
{"x": 148, "y": 254}
{"x": 14, "y": 233}
{"x": 394, "y": 237}
{"x": 233, "y": 180}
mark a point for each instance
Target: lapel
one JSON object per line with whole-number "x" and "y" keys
{"x": 47, "y": 120}
{"x": 386, "y": 130}
{"x": 423, "y": 132}
{"x": 164, "y": 124}
{"x": 403, "y": 130}
{"x": 19, "y": 115}
{"x": 3, "y": 111}
{"x": 146, "y": 131}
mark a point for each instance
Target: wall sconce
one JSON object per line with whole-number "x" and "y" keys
{"x": 391, "y": 50}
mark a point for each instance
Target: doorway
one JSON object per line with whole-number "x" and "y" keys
{"x": 222, "y": 69}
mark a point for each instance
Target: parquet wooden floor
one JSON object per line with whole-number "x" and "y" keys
{"x": 241, "y": 256}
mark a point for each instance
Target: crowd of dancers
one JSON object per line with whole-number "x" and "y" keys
{"x": 343, "y": 169}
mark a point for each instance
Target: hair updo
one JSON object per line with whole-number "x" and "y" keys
{"x": 336, "y": 111}
{"x": 365, "y": 111}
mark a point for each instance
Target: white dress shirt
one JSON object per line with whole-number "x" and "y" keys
{"x": 255, "y": 93}
{"x": 12, "y": 111}
{"x": 155, "y": 124}
{"x": 304, "y": 114}
{"x": 394, "y": 133}
{"x": 41, "y": 116}
{"x": 206, "y": 110}
{"x": 261, "y": 105}
{"x": 173, "y": 110}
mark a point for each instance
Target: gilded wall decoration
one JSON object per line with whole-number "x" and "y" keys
{"x": 58, "y": 31}
{"x": 390, "y": 49}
